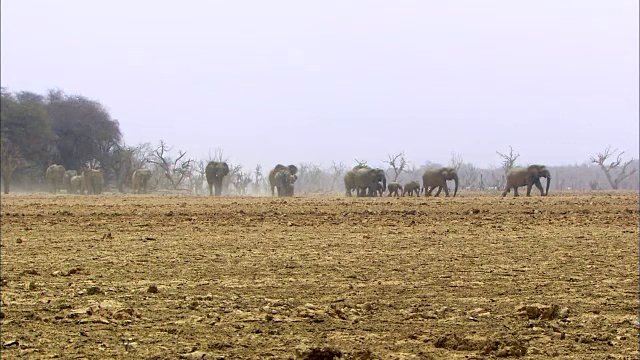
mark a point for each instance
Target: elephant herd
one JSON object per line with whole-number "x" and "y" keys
{"x": 367, "y": 181}
{"x": 362, "y": 179}
{"x": 89, "y": 181}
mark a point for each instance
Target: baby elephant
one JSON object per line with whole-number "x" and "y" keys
{"x": 394, "y": 189}
{"x": 410, "y": 188}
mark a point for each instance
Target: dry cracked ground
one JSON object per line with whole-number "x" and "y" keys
{"x": 471, "y": 277}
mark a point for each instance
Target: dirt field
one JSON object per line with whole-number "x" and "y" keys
{"x": 157, "y": 277}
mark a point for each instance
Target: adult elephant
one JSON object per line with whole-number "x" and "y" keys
{"x": 410, "y": 188}
{"x": 55, "y": 177}
{"x": 92, "y": 181}
{"x": 282, "y": 178}
{"x": 215, "y": 173}
{"x": 529, "y": 176}
{"x": 66, "y": 180}
{"x": 394, "y": 189}
{"x": 365, "y": 180}
{"x": 140, "y": 180}
{"x": 437, "y": 178}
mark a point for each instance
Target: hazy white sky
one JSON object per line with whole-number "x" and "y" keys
{"x": 316, "y": 81}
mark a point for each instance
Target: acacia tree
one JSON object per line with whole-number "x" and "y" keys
{"x": 397, "y": 163}
{"x": 618, "y": 166}
{"x": 26, "y": 125}
{"x": 174, "y": 170}
{"x": 508, "y": 159}
{"x": 84, "y": 130}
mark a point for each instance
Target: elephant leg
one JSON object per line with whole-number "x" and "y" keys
{"x": 539, "y": 186}
{"x": 506, "y": 190}
{"x": 515, "y": 191}
{"x": 446, "y": 191}
{"x": 438, "y": 192}
{"x": 210, "y": 189}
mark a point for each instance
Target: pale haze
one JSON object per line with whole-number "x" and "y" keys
{"x": 321, "y": 81}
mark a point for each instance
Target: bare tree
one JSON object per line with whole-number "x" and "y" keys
{"x": 241, "y": 182}
{"x": 397, "y": 163}
{"x": 456, "y": 161}
{"x": 197, "y": 179}
{"x": 509, "y": 159}
{"x": 10, "y": 160}
{"x": 175, "y": 170}
{"x": 361, "y": 163}
{"x": 336, "y": 170}
{"x": 618, "y": 165}
{"x": 260, "y": 183}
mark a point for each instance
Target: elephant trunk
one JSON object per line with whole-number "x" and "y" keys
{"x": 455, "y": 179}
{"x": 548, "y": 184}
{"x": 384, "y": 184}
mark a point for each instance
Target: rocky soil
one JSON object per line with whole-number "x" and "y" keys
{"x": 471, "y": 277}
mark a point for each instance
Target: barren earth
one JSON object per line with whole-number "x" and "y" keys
{"x": 471, "y": 277}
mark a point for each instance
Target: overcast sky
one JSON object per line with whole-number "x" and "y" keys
{"x": 316, "y": 81}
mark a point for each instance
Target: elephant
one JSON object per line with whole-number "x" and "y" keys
{"x": 140, "y": 180}
{"x": 365, "y": 180}
{"x": 282, "y": 179}
{"x": 394, "y": 189}
{"x": 55, "y": 177}
{"x": 66, "y": 180}
{"x": 215, "y": 173}
{"x": 410, "y": 188}
{"x": 92, "y": 181}
{"x": 433, "y": 178}
{"x": 75, "y": 184}
{"x": 529, "y": 176}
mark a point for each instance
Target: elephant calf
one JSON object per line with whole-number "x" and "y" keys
{"x": 394, "y": 189}
{"x": 410, "y": 188}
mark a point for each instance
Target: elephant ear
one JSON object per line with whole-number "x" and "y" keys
{"x": 292, "y": 169}
{"x": 225, "y": 168}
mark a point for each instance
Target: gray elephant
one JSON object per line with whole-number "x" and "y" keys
{"x": 75, "y": 184}
{"x": 66, "y": 180}
{"x": 55, "y": 177}
{"x": 410, "y": 188}
{"x": 92, "y": 181}
{"x": 433, "y": 178}
{"x": 365, "y": 180}
{"x": 140, "y": 180}
{"x": 529, "y": 176}
{"x": 394, "y": 189}
{"x": 282, "y": 178}
{"x": 215, "y": 173}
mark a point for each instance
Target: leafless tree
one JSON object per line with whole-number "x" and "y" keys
{"x": 336, "y": 170}
{"x": 260, "y": 184}
{"x": 467, "y": 172}
{"x": 361, "y": 163}
{"x": 509, "y": 159}
{"x": 397, "y": 163}
{"x": 234, "y": 171}
{"x": 10, "y": 160}
{"x": 175, "y": 170}
{"x": 456, "y": 161}
{"x": 618, "y": 166}
{"x": 241, "y": 182}
{"x": 198, "y": 176}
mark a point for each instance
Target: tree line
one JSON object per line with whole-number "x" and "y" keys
{"x": 79, "y": 133}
